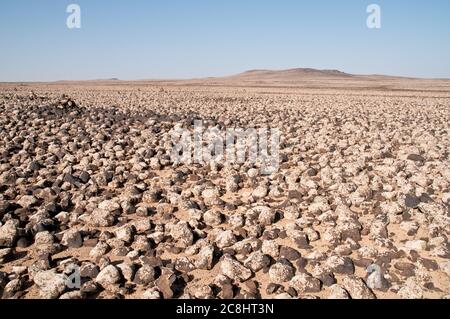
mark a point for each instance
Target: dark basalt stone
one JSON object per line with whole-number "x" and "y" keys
{"x": 416, "y": 158}
{"x": 412, "y": 201}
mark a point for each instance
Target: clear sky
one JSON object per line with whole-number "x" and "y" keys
{"x": 138, "y": 39}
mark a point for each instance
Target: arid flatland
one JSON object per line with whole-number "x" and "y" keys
{"x": 359, "y": 207}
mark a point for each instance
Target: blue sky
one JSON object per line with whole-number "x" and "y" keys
{"x": 138, "y": 39}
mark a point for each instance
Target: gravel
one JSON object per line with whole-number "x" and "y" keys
{"x": 8, "y": 234}
{"x": 51, "y": 284}
{"x": 234, "y": 269}
{"x": 108, "y": 276}
{"x": 363, "y": 184}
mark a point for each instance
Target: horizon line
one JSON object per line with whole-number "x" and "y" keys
{"x": 113, "y": 78}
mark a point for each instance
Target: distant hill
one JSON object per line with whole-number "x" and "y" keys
{"x": 307, "y": 78}
{"x": 94, "y": 80}
{"x": 290, "y": 75}
{"x": 322, "y": 79}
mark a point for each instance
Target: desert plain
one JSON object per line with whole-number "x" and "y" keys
{"x": 92, "y": 206}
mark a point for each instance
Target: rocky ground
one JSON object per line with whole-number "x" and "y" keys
{"x": 360, "y": 207}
